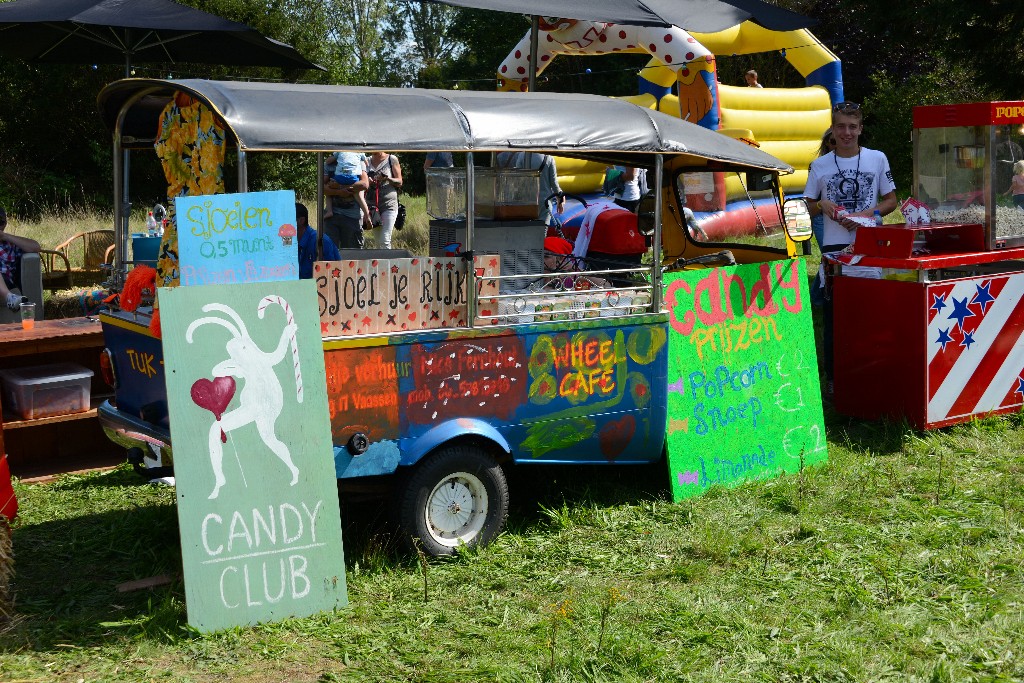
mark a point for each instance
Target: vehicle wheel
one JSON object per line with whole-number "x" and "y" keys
{"x": 458, "y": 496}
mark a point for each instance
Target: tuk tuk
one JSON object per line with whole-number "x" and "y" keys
{"x": 525, "y": 367}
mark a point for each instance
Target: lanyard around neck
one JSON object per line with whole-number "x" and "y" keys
{"x": 835, "y": 158}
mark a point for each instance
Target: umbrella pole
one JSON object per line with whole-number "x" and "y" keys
{"x": 534, "y": 32}
{"x": 121, "y": 200}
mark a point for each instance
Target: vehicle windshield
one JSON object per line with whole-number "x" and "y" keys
{"x": 732, "y": 209}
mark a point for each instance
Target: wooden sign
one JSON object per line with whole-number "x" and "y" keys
{"x": 744, "y": 400}
{"x": 488, "y": 266}
{"x": 374, "y": 296}
{"x": 254, "y": 466}
{"x": 237, "y": 238}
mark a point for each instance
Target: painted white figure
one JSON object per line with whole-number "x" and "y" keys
{"x": 261, "y": 399}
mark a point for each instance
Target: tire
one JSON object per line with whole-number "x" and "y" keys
{"x": 457, "y": 496}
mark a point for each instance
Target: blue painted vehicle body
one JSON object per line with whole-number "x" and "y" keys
{"x": 585, "y": 392}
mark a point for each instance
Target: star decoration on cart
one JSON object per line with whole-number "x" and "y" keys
{"x": 944, "y": 338}
{"x": 1020, "y": 386}
{"x": 938, "y": 302}
{"x": 967, "y": 340}
{"x": 983, "y": 298}
{"x": 960, "y": 312}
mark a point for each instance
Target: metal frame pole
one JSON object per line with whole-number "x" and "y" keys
{"x": 659, "y": 167}
{"x": 243, "y": 172}
{"x": 470, "y": 226}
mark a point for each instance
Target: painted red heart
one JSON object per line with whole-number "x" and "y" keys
{"x": 214, "y": 396}
{"x": 616, "y": 435}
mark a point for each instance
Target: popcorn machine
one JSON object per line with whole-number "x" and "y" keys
{"x": 928, "y": 326}
{"x": 963, "y": 162}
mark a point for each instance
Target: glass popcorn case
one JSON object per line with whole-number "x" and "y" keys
{"x": 964, "y": 157}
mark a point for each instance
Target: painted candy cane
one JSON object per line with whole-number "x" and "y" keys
{"x": 290, "y": 317}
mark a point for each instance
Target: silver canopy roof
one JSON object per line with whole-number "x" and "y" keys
{"x": 325, "y": 118}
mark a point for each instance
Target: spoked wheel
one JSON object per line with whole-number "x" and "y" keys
{"x": 458, "y": 496}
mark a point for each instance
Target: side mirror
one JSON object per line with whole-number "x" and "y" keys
{"x": 759, "y": 181}
{"x": 798, "y": 219}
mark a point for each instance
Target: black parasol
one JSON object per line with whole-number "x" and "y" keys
{"x": 134, "y": 31}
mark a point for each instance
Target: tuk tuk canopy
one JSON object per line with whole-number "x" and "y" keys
{"x": 292, "y": 117}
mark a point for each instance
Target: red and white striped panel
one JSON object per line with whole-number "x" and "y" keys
{"x": 975, "y": 363}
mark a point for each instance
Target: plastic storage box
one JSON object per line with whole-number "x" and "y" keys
{"x": 500, "y": 194}
{"x": 46, "y": 390}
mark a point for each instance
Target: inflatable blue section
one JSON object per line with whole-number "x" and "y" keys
{"x": 646, "y": 87}
{"x": 830, "y": 77}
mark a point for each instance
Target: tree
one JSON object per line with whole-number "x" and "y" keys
{"x": 432, "y": 46}
{"x": 358, "y": 36}
{"x": 890, "y": 109}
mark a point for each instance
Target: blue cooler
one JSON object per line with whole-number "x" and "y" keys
{"x": 145, "y": 249}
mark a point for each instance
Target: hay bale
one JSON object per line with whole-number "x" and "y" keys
{"x": 7, "y": 614}
{"x": 73, "y": 303}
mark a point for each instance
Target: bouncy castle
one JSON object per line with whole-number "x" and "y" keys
{"x": 681, "y": 79}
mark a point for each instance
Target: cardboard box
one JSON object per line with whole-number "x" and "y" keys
{"x": 46, "y": 390}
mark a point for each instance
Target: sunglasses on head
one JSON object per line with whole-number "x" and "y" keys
{"x": 846, "y": 107}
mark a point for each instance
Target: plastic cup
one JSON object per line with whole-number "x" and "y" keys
{"x": 28, "y": 316}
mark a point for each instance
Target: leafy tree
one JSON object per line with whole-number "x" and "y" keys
{"x": 431, "y": 45}
{"x": 361, "y": 43}
{"x": 488, "y": 37}
{"x": 889, "y": 123}
{"x": 982, "y": 36}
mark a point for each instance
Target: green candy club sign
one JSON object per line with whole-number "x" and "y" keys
{"x": 254, "y": 467}
{"x": 744, "y": 402}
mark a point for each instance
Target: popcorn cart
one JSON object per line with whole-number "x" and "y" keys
{"x": 928, "y": 322}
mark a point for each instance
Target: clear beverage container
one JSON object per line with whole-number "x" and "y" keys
{"x": 28, "y": 314}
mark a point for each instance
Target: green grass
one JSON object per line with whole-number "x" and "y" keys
{"x": 901, "y": 559}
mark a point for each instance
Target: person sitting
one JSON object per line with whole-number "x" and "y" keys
{"x": 11, "y": 249}
{"x": 307, "y": 244}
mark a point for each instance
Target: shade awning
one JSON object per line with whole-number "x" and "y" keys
{"x": 324, "y": 118}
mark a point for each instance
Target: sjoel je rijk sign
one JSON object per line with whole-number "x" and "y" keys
{"x": 253, "y": 459}
{"x": 744, "y": 401}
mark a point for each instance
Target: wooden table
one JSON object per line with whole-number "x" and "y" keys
{"x": 41, "y": 448}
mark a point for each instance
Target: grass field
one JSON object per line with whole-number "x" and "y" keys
{"x": 901, "y": 559}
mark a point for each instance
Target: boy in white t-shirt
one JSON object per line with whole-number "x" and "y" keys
{"x": 853, "y": 179}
